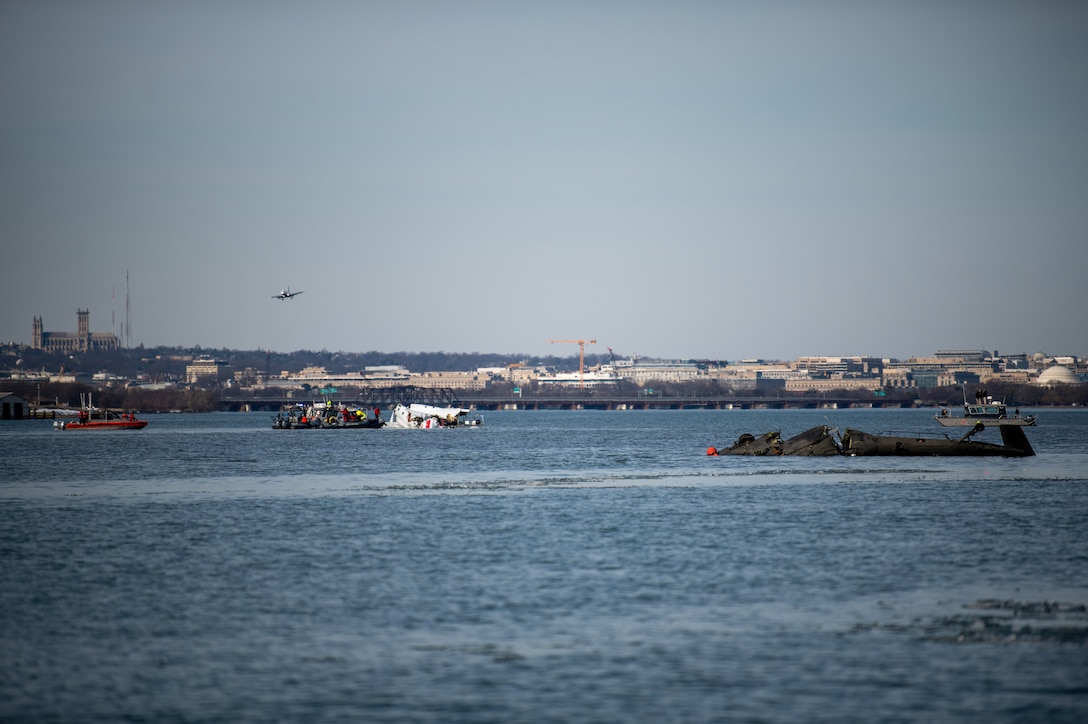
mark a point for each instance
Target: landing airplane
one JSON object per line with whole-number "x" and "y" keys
{"x": 286, "y": 294}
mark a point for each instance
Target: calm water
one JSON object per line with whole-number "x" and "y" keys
{"x": 548, "y": 566}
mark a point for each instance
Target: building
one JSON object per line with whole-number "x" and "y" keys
{"x": 206, "y": 371}
{"x": 477, "y": 380}
{"x": 68, "y": 343}
{"x": 942, "y": 370}
{"x": 381, "y": 376}
{"x": 834, "y": 384}
{"x": 1057, "y": 375}
{"x": 643, "y": 370}
{"x": 13, "y": 407}
{"x": 838, "y": 367}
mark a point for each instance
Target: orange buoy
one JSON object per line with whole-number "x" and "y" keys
{"x": 712, "y": 451}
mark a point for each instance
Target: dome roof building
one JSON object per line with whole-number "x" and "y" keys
{"x": 1057, "y": 375}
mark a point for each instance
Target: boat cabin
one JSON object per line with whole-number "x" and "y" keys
{"x": 995, "y": 410}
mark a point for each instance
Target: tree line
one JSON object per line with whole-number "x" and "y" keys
{"x": 163, "y": 363}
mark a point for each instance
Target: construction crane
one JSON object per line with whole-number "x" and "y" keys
{"x": 581, "y": 354}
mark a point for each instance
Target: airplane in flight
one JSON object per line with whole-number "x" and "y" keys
{"x": 286, "y": 294}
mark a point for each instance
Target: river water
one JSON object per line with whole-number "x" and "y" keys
{"x": 545, "y": 567}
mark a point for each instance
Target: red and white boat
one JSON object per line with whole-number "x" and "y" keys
{"x": 91, "y": 418}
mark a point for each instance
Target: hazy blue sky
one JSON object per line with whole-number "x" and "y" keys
{"x": 678, "y": 179}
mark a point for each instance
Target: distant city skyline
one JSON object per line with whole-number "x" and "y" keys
{"x": 696, "y": 180}
{"x": 69, "y": 341}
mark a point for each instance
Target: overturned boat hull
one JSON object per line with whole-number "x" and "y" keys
{"x": 1014, "y": 445}
{"x": 817, "y": 441}
{"x": 820, "y": 441}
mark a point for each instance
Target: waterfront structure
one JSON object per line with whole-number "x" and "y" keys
{"x": 83, "y": 340}
{"x": 13, "y": 406}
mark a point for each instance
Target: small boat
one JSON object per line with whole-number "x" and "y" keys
{"x": 985, "y": 410}
{"x": 327, "y": 415}
{"x": 429, "y": 417}
{"x": 92, "y": 418}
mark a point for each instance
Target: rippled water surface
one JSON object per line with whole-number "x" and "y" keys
{"x": 547, "y": 566}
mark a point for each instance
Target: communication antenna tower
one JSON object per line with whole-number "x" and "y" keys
{"x": 128, "y": 314}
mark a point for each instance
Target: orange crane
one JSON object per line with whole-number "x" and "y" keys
{"x": 581, "y": 354}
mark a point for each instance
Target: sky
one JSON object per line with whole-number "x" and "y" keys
{"x": 710, "y": 180}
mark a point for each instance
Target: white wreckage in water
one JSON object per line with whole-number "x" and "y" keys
{"x": 429, "y": 417}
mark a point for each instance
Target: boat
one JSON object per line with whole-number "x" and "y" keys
{"x": 327, "y": 415}
{"x": 430, "y": 417}
{"x": 93, "y": 418}
{"x": 985, "y": 410}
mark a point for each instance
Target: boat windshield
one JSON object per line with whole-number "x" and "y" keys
{"x": 985, "y": 410}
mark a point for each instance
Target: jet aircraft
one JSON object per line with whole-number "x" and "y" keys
{"x": 286, "y": 294}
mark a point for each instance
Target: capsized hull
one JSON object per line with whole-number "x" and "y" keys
{"x": 817, "y": 441}
{"x": 858, "y": 443}
{"x": 820, "y": 441}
